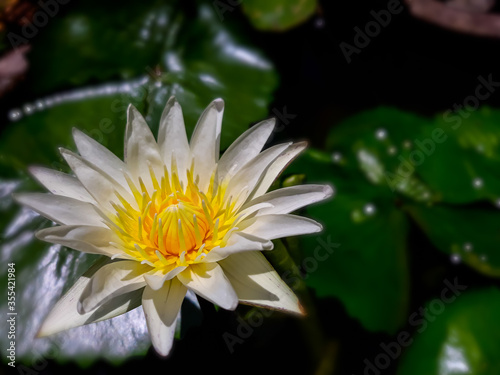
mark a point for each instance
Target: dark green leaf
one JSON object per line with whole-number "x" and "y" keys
{"x": 462, "y": 338}
{"x": 360, "y": 257}
{"x": 469, "y": 235}
{"x": 278, "y": 15}
{"x": 381, "y": 143}
{"x": 217, "y": 64}
{"x": 465, "y": 167}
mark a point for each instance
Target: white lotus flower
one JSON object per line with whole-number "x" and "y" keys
{"x": 172, "y": 217}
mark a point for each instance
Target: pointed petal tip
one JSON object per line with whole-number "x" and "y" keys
{"x": 328, "y": 191}
{"x": 301, "y": 144}
{"x": 218, "y": 104}
{"x": 44, "y": 331}
{"x": 162, "y": 352}
{"x": 39, "y": 334}
{"x": 23, "y": 198}
{"x": 75, "y": 131}
{"x": 132, "y": 112}
{"x": 34, "y": 169}
{"x": 231, "y": 307}
{"x": 79, "y": 135}
{"x": 271, "y": 122}
{"x": 172, "y": 100}
{"x": 64, "y": 151}
{"x": 302, "y": 311}
{"x": 39, "y": 234}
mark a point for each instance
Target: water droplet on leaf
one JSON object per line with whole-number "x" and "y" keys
{"x": 477, "y": 183}
{"x": 381, "y": 134}
{"x": 336, "y": 157}
{"x": 369, "y": 209}
{"x": 392, "y": 150}
{"x": 15, "y": 115}
{"x": 468, "y": 247}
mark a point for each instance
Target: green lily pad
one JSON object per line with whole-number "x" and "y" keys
{"x": 469, "y": 235}
{"x": 427, "y": 160}
{"x": 381, "y": 143}
{"x": 463, "y": 339}
{"x": 278, "y": 15}
{"x": 432, "y": 167}
{"x": 216, "y": 64}
{"x": 360, "y": 257}
{"x": 101, "y": 115}
{"x": 85, "y": 44}
{"x": 466, "y": 166}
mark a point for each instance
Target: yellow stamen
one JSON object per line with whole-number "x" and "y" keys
{"x": 173, "y": 223}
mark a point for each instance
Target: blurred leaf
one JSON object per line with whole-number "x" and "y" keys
{"x": 469, "y": 235}
{"x": 101, "y": 115}
{"x": 87, "y": 44}
{"x": 424, "y": 159}
{"x": 278, "y": 15}
{"x": 215, "y": 65}
{"x": 360, "y": 257}
{"x": 424, "y": 162}
{"x": 466, "y": 166}
{"x": 379, "y": 142}
{"x": 463, "y": 339}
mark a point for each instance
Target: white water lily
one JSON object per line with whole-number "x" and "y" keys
{"x": 172, "y": 217}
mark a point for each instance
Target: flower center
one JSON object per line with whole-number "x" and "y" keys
{"x": 172, "y": 225}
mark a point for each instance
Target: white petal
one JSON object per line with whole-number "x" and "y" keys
{"x": 156, "y": 278}
{"x": 111, "y": 281}
{"x": 257, "y": 283}
{"x": 245, "y": 148}
{"x": 63, "y": 184}
{"x": 172, "y": 138}
{"x": 276, "y": 226}
{"x": 205, "y": 142}
{"x": 64, "y": 315}
{"x": 289, "y": 199}
{"x": 62, "y": 210}
{"x": 249, "y": 210}
{"x": 141, "y": 149}
{"x": 208, "y": 280}
{"x": 249, "y": 176}
{"x": 277, "y": 167}
{"x": 101, "y": 186}
{"x": 100, "y": 156}
{"x": 88, "y": 239}
{"x": 161, "y": 308}
{"x": 238, "y": 242}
